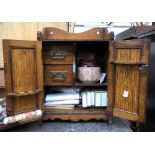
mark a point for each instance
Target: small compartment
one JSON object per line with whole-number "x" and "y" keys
{"x": 58, "y": 85}
{"x": 58, "y": 75}
{"x": 94, "y": 58}
{"x": 75, "y": 97}
{"x": 58, "y": 53}
{"x": 62, "y": 98}
{"x": 94, "y": 98}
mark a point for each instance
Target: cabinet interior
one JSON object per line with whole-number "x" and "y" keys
{"x": 89, "y": 50}
{"x": 97, "y": 50}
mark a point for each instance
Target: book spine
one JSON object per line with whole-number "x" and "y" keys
{"x": 84, "y": 99}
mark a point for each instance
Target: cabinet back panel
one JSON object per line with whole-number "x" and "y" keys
{"x": 127, "y": 79}
{"x": 23, "y": 70}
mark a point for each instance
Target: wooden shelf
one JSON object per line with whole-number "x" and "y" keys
{"x": 59, "y": 85}
{"x": 78, "y": 84}
{"x": 90, "y": 84}
{"x": 23, "y": 93}
{"x": 76, "y": 110}
{"x": 127, "y": 63}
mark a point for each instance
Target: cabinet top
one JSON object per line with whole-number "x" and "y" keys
{"x": 52, "y": 33}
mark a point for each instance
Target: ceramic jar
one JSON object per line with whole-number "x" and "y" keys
{"x": 88, "y": 71}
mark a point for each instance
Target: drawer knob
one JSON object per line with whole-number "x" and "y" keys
{"x": 58, "y": 75}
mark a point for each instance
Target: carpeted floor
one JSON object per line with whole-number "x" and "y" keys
{"x": 118, "y": 125}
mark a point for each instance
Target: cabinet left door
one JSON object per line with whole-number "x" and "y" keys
{"x": 23, "y": 71}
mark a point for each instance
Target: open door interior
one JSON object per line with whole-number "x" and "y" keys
{"x": 127, "y": 81}
{"x": 23, "y": 78}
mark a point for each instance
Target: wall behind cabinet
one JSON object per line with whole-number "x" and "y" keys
{"x": 24, "y": 31}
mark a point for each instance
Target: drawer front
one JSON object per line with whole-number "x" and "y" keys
{"x": 58, "y": 55}
{"x": 58, "y": 75}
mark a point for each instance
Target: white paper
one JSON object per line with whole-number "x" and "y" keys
{"x": 62, "y": 96}
{"x": 125, "y": 93}
{"x": 103, "y": 75}
{"x": 62, "y": 102}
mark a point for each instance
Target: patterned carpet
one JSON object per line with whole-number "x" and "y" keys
{"x": 118, "y": 125}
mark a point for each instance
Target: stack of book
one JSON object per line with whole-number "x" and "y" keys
{"x": 94, "y": 98}
{"x": 62, "y": 100}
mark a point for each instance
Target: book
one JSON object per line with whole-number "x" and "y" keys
{"x": 88, "y": 98}
{"x": 97, "y": 98}
{"x": 104, "y": 99}
{"x": 84, "y": 99}
{"x": 60, "y": 106}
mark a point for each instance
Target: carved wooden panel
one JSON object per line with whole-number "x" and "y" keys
{"x": 127, "y": 79}
{"x": 23, "y": 69}
{"x": 52, "y": 33}
{"x": 23, "y": 75}
{"x": 129, "y": 55}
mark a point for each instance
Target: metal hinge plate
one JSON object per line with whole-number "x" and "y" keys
{"x": 144, "y": 69}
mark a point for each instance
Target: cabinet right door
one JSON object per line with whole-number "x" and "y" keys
{"x": 127, "y": 79}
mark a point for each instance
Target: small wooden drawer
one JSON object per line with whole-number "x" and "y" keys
{"x": 58, "y": 75}
{"x": 62, "y": 54}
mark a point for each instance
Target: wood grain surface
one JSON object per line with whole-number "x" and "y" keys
{"x": 58, "y": 69}
{"x": 52, "y": 33}
{"x": 125, "y": 76}
{"x": 63, "y": 54}
{"x": 76, "y": 114}
{"x": 23, "y": 74}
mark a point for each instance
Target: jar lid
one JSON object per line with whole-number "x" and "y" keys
{"x": 88, "y": 63}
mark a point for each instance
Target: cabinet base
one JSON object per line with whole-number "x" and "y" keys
{"x": 76, "y": 114}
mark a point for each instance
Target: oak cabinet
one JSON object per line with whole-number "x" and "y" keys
{"x": 33, "y": 68}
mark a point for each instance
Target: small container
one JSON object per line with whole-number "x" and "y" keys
{"x": 89, "y": 71}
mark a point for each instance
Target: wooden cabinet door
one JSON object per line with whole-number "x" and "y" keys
{"x": 127, "y": 79}
{"x": 23, "y": 76}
